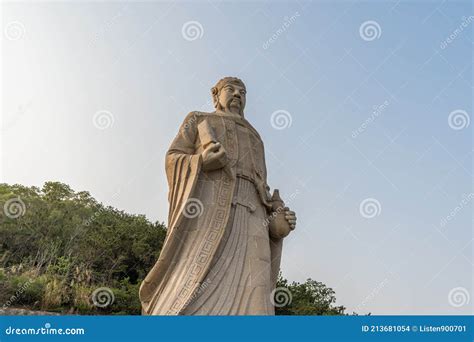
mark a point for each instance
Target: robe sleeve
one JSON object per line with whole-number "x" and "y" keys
{"x": 182, "y": 167}
{"x": 182, "y": 170}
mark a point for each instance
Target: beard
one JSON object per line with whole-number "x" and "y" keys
{"x": 234, "y": 105}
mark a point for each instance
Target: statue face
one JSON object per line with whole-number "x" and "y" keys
{"x": 232, "y": 98}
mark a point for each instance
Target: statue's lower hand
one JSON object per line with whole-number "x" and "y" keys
{"x": 281, "y": 222}
{"x": 214, "y": 157}
{"x": 290, "y": 216}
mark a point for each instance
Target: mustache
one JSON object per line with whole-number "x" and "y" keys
{"x": 234, "y": 98}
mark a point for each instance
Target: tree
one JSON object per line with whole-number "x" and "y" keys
{"x": 309, "y": 298}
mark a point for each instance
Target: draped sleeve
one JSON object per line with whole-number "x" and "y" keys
{"x": 182, "y": 170}
{"x": 182, "y": 167}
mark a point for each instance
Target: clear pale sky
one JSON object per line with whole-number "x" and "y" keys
{"x": 64, "y": 63}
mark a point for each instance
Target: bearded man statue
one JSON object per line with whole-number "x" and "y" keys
{"x": 222, "y": 252}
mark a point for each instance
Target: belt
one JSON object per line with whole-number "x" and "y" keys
{"x": 241, "y": 175}
{"x": 246, "y": 202}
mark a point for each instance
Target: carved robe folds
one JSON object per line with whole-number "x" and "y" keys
{"x": 218, "y": 257}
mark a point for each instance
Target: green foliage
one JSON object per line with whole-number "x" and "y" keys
{"x": 64, "y": 245}
{"x": 63, "y": 230}
{"x": 309, "y": 298}
{"x": 73, "y": 244}
{"x": 21, "y": 290}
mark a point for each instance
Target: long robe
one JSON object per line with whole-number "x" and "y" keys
{"x": 200, "y": 270}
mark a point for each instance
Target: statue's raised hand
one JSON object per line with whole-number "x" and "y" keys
{"x": 214, "y": 157}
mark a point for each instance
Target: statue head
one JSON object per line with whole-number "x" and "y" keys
{"x": 229, "y": 94}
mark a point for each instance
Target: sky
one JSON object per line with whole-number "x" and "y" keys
{"x": 364, "y": 109}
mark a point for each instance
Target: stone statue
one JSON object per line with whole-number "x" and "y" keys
{"x": 223, "y": 247}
